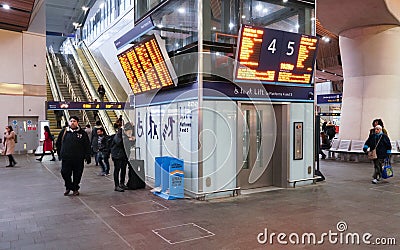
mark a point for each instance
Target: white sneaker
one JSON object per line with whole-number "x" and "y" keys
{"x": 374, "y": 181}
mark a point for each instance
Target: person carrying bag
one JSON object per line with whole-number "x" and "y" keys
{"x": 380, "y": 149}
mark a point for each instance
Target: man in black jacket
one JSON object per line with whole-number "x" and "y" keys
{"x": 73, "y": 147}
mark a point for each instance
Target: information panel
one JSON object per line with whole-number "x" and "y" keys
{"x": 269, "y": 55}
{"x": 147, "y": 65}
{"x": 52, "y": 105}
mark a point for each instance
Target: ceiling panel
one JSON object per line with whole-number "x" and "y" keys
{"x": 18, "y": 16}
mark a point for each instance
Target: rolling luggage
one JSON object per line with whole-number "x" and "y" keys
{"x": 136, "y": 175}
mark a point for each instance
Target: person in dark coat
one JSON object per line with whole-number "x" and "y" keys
{"x": 102, "y": 91}
{"x": 120, "y": 150}
{"x": 73, "y": 147}
{"x": 100, "y": 147}
{"x": 377, "y": 122}
{"x": 330, "y": 130}
{"x": 381, "y": 143}
{"x": 47, "y": 144}
{"x": 325, "y": 144}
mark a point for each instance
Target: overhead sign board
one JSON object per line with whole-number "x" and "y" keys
{"x": 329, "y": 98}
{"x": 274, "y": 56}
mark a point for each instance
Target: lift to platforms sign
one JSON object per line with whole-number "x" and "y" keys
{"x": 147, "y": 66}
{"x": 268, "y": 55}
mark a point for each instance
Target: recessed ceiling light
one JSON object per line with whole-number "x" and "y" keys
{"x": 285, "y": 1}
{"x": 181, "y": 10}
{"x": 243, "y": 16}
{"x": 6, "y": 6}
{"x": 214, "y": 28}
{"x": 231, "y": 25}
{"x": 84, "y": 8}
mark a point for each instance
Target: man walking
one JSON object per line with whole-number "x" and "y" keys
{"x": 73, "y": 147}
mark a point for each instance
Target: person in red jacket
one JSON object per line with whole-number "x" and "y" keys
{"x": 47, "y": 144}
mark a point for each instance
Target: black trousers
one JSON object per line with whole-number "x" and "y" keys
{"x": 72, "y": 168}
{"x": 378, "y": 168}
{"x": 11, "y": 160}
{"x": 119, "y": 166}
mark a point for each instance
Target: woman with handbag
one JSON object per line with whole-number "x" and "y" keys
{"x": 380, "y": 148}
{"x": 47, "y": 144}
{"x": 9, "y": 145}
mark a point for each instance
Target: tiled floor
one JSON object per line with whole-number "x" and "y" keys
{"x": 34, "y": 214}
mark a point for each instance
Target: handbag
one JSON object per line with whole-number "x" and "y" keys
{"x": 387, "y": 170}
{"x": 372, "y": 155}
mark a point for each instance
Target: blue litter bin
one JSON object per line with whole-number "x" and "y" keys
{"x": 169, "y": 177}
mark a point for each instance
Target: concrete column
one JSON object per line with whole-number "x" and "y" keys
{"x": 371, "y": 69}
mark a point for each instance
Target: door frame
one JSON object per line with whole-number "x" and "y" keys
{"x": 265, "y": 176}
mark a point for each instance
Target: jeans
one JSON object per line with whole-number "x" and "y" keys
{"x": 102, "y": 159}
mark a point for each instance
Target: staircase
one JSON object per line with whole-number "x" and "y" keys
{"x": 95, "y": 82}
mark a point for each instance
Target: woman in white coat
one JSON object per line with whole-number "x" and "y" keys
{"x": 9, "y": 145}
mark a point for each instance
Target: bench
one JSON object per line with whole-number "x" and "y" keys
{"x": 355, "y": 148}
{"x": 343, "y": 147}
{"x": 334, "y": 146}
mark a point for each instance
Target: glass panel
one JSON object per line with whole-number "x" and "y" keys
{"x": 225, "y": 17}
{"x": 246, "y": 139}
{"x": 176, "y": 23}
{"x": 259, "y": 138}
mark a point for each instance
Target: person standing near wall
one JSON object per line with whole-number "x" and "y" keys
{"x": 73, "y": 146}
{"x": 9, "y": 145}
{"x": 47, "y": 144}
{"x": 120, "y": 149}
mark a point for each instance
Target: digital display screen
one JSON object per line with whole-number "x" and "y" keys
{"x": 268, "y": 55}
{"x": 147, "y": 65}
{"x": 85, "y": 105}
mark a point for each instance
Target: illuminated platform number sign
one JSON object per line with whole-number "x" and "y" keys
{"x": 268, "y": 55}
{"x": 147, "y": 65}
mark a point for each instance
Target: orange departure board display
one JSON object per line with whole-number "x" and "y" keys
{"x": 147, "y": 66}
{"x": 274, "y": 56}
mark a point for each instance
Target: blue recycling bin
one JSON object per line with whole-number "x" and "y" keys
{"x": 169, "y": 178}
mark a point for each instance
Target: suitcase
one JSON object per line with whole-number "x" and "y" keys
{"x": 136, "y": 175}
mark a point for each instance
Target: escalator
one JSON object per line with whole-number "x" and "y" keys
{"x": 111, "y": 114}
{"x": 78, "y": 90}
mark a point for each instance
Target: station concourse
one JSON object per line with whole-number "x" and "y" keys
{"x": 230, "y": 88}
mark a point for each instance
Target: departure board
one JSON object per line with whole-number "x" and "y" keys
{"x": 267, "y": 55}
{"x": 147, "y": 65}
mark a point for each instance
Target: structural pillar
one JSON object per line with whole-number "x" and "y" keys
{"x": 371, "y": 89}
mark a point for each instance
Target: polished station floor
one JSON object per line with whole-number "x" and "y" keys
{"x": 34, "y": 213}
